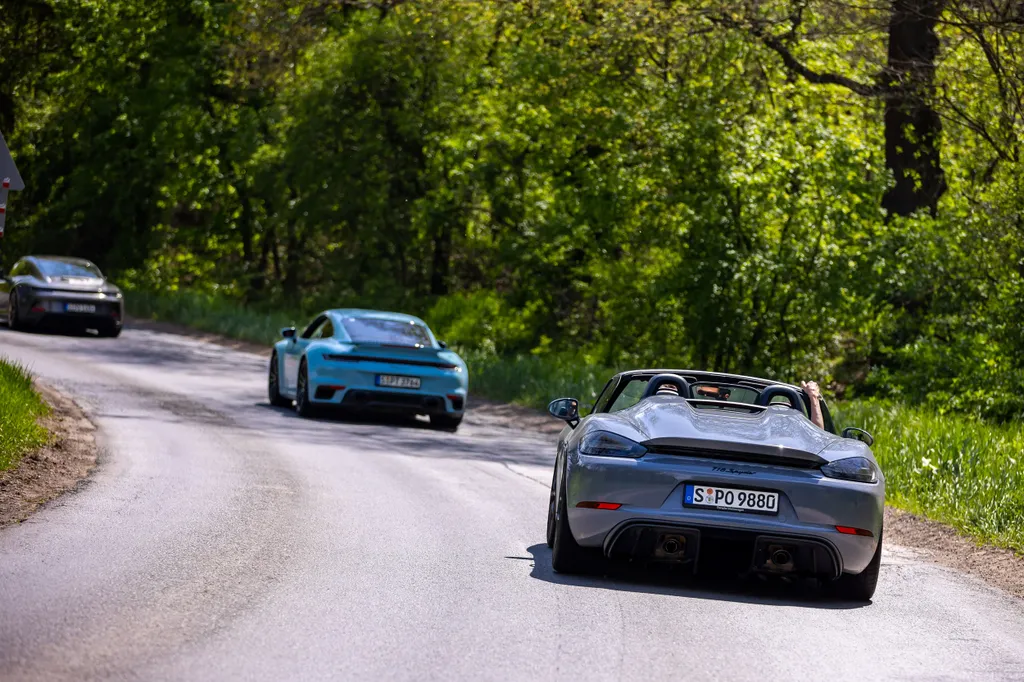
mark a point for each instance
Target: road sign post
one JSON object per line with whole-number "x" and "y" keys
{"x": 11, "y": 180}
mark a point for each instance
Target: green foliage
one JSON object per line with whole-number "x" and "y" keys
{"x": 20, "y": 408}
{"x": 212, "y": 313}
{"x": 637, "y": 181}
{"x": 534, "y": 380}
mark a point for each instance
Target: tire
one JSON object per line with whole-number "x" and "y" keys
{"x": 445, "y": 422}
{"x": 110, "y": 331}
{"x": 566, "y": 554}
{"x": 273, "y": 384}
{"x": 860, "y": 587}
{"x": 13, "y": 315}
{"x": 303, "y": 406}
{"x": 552, "y": 501}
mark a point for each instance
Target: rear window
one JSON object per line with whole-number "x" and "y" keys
{"x": 386, "y": 332}
{"x": 58, "y": 268}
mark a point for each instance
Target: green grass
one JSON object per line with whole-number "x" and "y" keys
{"x": 210, "y": 313}
{"x": 950, "y": 468}
{"x": 20, "y": 408}
{"x": 954, "y": 469}
{"x": 535, "y": 380}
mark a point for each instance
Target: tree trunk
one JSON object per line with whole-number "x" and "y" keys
{"x": 292, "y": 262}
{"x": 442, "y": 260}
{"x": 912, "y": 126}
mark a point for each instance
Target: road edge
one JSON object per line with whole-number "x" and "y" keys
{"x": 54, "y": 469}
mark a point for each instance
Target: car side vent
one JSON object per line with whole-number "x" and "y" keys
{"x": 730, "y": 456}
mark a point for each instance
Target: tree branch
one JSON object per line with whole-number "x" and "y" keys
{"x": 776, "y": 45}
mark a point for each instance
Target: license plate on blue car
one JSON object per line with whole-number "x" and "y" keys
{"x": 731, "y": 499}
{"x": 392, "y": 381}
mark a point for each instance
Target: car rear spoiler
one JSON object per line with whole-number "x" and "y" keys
{"x": 758, "y": 453}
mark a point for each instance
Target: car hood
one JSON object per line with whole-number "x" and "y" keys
{"x": 670, "y": 422}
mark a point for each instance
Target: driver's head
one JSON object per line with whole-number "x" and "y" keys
{"x": 714, "y": 392}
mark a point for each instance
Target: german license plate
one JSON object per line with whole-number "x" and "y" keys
{"x": 80, "y": 307}
{"x": 732, "y": 499}
{"x": 392, "y": 381}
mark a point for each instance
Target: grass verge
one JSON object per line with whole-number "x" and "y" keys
{"x": 949, "y": 468}
{"x": 20, "y": 409}
{"x": 210, "y": 313}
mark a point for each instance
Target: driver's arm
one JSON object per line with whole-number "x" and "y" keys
{"x": 814, "y": 393}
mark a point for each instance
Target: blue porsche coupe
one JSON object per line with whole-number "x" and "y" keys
{"x": 369, "y": 361}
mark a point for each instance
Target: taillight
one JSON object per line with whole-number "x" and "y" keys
{"x": 598, "y": 505}
{"x": 849, "y": 530}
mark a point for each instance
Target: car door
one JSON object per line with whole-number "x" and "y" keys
{"x": 293, "y": 353}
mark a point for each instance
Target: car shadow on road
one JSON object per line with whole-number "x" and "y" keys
{"x": 339, "y": 417}
{"x": 416, "y": 438}
{"x": 741, "y": 590}
{"x": 77, "y": 331}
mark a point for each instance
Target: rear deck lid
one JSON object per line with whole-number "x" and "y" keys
{"x": 777, "y": 434}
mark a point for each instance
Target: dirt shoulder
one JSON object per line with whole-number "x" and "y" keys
{"x": 932, "y": 541}
{"x": 940, "y": 544}
{"x": 53, "y": 469}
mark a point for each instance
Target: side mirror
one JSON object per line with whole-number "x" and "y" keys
{"x": 442, "y": 344}
{"x": 858, "y": 434}
{"x": 288, "y": 332}
{"x": 566, "y": 409}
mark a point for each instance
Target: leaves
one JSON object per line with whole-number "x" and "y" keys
{"x": 642, "y": 180}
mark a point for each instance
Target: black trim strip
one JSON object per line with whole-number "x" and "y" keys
{"x": 728, "y": 455}
{"x": 394, "y": 361}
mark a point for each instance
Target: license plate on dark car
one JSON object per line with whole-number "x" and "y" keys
{"x": 80, "y": 307}
{"x": 731, "y": 499}
{"x": 392, "y": 381}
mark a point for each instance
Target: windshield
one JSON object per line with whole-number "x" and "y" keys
{"x": 62, "y": 268}
{"x": 386, "y": 332}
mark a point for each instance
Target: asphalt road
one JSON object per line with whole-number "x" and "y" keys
{"x": 222, "y": 539}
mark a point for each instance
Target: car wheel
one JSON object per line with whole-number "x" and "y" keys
{"x": 13, "y": 315}
{"x": 552, "y": 501}
{"x": 273, "y": 384}
{"x": 860, "y": 587}
{"x": 566, "y": 554}
{"x": 445, "y": 422}
{"x": 109, "y": 330}
{"x": 302, "y": 404}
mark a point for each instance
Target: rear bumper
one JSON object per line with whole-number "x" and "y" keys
{"x": 36, "y": 307}
{"x": 651, "y": 492}
{"x": 726, "y": 549}
{"x": 354, "y": 388}
{"x": 393, "y": 401}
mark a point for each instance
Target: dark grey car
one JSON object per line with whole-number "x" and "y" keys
{"x": 73, "y": 291}
{"x": 716, "y": 472}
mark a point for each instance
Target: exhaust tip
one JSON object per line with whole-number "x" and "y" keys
{"x": 670, "y": 547}
{"x": 781, "y": 557}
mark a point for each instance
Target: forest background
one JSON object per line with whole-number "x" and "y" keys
{"x": 825, "y": 189}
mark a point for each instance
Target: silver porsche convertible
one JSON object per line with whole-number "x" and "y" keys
{"x": 715, "y": 472}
